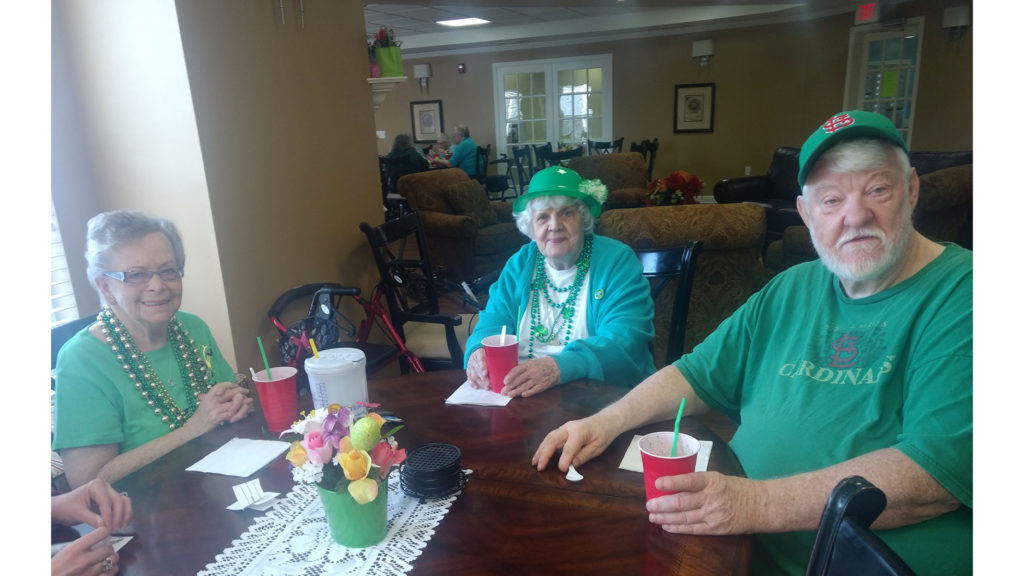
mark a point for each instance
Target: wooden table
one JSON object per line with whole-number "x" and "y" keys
{"x": 510, "y": 519}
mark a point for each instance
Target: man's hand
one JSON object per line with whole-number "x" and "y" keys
{"x": 579, "y": 441}
{"x": 708, "y": 503}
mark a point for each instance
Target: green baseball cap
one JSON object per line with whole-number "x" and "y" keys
{"x": 559, "y": 181}
{"x": 843, "y": 126}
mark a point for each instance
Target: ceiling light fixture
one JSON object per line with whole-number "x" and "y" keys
{"x": 463, "y": 22}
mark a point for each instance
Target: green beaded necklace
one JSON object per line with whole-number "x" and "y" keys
{"x": 566, "y": 310}
{"x": 190, "y": 365}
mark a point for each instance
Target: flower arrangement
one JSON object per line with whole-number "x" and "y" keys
{"x": 680, "y": 187}
{"x": 343, "y": 448}
{"x": 384, "y": 38}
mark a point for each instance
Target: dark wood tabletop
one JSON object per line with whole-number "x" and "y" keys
{"x": 509, "y": 520}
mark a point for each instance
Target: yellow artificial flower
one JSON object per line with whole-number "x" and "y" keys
{"x": 363, "y": 490}
{"x": 297, "y": 454}
{"x": 355, "y": 464}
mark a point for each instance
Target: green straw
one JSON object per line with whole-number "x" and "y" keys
{"x": 265, "y": 363}
{"x": 675, "y": 431}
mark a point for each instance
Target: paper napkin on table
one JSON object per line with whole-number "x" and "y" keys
{"x": 466, "y": 394}
{"x": 631, "y": 459}
{"x": 240, "y": 457}
{"x": 251, "y": 495}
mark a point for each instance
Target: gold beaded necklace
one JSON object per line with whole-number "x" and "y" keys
{"x": 135, "y": 362}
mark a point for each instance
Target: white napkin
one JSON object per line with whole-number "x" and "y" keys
{"x": 631, "y": 459}
{"x": 240, "y": 457}
{"x": 251, "y": 495}
{"x": 466, "y": 394}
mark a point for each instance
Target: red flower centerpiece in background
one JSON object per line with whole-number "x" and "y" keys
{"x": 680, "y": 187}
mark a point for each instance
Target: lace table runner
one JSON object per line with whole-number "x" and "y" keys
{"x": 293, "y": 538}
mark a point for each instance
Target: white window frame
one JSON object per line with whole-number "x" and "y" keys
{"x": 550, "y": 68}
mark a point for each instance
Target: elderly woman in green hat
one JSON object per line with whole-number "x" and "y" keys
{"x": 578, "y": 302}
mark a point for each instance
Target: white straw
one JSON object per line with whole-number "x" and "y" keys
{"x": 502, "y": 334}
{"x": 253, "y": 372}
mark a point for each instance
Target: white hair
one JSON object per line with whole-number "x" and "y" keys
{"x": 524, "y": 219}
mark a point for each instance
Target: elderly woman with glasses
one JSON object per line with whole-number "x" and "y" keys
{"x": 144, "y": 378}
{"x": 577, "y": 301}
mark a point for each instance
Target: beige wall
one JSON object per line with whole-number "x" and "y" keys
{"x": 256, "y": 139}
{"x": 773, "y": 84}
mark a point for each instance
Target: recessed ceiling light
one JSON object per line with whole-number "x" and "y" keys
{"x": 463, "y": 22}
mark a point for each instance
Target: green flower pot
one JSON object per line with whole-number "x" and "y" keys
{"x": 390, "y": 61}
{"x": 356, "y": 525}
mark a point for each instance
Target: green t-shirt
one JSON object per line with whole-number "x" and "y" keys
{"x": 97, "y": 403}
{"x": 815, "y": 378}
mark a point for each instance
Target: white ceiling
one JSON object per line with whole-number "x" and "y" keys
{"x": 553, "y": 22}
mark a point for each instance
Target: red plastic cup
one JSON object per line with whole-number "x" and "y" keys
{"x": 277, "y": 397}
{"x": 501, "y": 357}
{"x": 655, "y": 454}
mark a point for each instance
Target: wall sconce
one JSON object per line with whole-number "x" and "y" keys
{"x": 703, "y": 50}
{"x": 956, "y": 19}
{"x": 421, "y": 72}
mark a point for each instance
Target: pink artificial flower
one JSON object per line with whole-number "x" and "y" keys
{"x": 384, "y": 456}
{"x": 317, "y": 449}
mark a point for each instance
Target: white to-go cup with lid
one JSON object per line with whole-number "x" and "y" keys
{"x": 338, "y": 376}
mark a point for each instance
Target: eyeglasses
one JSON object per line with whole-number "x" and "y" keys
{"x": 140, "y": 277}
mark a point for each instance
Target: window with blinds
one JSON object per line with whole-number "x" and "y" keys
{"x": 63, "y": 307}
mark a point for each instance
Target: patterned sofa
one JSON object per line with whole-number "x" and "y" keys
{"x": 625, "y": 175}
{"x": 467, "y": 234}
{"x": 729, "y": 269}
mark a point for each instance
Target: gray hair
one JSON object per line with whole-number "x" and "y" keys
{"x": 862, "y": 154}
{"x": 462, "y": 129}
{"x": 109, "y": 231}
{"x": 524, "y": 219}
{"x": 442, "y": 137}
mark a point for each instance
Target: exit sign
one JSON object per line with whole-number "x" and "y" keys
{"x": 867, "y": 13}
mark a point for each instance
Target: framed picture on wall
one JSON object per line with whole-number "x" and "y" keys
{"x": 427, "y": 120}
{"x": 695, "y": 108}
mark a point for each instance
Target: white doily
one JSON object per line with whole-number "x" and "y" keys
{"x": 293, "y": 538}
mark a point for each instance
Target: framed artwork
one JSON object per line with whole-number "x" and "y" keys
{"x": 695, "y": 108}
{"x": 427, "y": 120}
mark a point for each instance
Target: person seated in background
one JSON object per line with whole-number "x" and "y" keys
{"x": 579, "y": 302}
{"x": 464, "y": 155}
{"x": 97, "y": 504}
{"x": 442, "y": 149}
{"x": 859, "y": 363}
{"x": 144, "y": 378}
{"x": 403, "y": 148}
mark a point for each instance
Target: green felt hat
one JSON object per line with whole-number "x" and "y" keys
{"x": 559, "y": 181}
{"x": 843, "y": 126}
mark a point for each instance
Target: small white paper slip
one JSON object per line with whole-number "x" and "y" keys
{"x": 466, "y": 394}
{"x": 251, "y": 495}
{"x": 572, "y": 475}
{"x": 240, "y": 457}
{"x": 117, "y": 542}
{"x": 631, "y": 459}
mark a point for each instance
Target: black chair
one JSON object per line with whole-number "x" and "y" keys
{"x": 493, "y": 184}
{"x": 594, "y": 147}
{"x": 540, "y": 154}
{"x": 330, "y": 328}
{"x": 647, "y": 148}
{"x": 661, "y": 266}
{"x": 523, "y": 173}
{"x": 844, "y": 544}
{"x": 408, "y": 282}
{"x": 559, "y": 158}
{"x": 391, "y": 169}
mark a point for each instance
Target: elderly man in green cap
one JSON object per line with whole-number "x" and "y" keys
{"x": 577, "y": 302}
{"x": 859, "y": 363}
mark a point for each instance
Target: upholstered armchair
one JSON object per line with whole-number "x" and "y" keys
{"x": 625, "y": 175}
{"x": 467, "y": 234}
{"x": 729, "y": 269}
{"x": 944, "y": 212}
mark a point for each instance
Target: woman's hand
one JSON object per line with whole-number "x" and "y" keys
{"x": 476, "y": 370}
{"x": 532, "y": 377}
{"x": 80, "y": 558}
{"x": 96, "y": 503}
{"x": 225, "y": 402}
